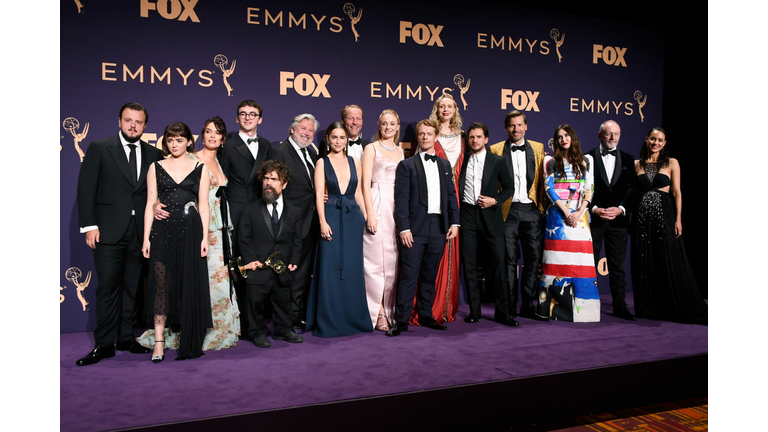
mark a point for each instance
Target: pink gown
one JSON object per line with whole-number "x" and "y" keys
{"x": 380, "y": 250}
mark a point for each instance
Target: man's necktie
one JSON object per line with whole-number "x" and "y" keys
{"x": 429, "y": 157}
{"x": 275, "y": 219}
{"x": 310, "y": 167}
{"x": 605, "y": 151}
{"x": 132, "y": 163}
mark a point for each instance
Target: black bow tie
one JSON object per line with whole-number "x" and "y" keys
{"x": 353, "y": 142}
{"x": 428, "y": 157}
{"x": 605, "y": 151}
{"x": 250, "y": 140}
{"x": 518, "y": 147}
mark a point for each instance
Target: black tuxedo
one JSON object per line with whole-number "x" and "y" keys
{"x": 420, "y": 262}
{"x": 241, "y": 170}
{"x": 300, "y": 192}
{"x": 258, "y": 239}
{"x": 482, "y": 233}
{"x": 106, "y": 196}
{"x": 613, "y": 192}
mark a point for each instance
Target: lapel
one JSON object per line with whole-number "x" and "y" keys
{"x": 118, "y": 154}
{"x": 600, "y": 166}
{"x": 242, "y": 148}
{"x": 617, "y": 168}
{"x": 530, "y": 165}
{"x": 144, "y": 163}
{"x": 256, "y": 165}
{"x": 267, "y": 218}
{"x": 297, "y": 158}
{"x": 443, "y": 174}
{"x": 488, "y": 169}
{"x": 463, "y": 175}
{"x": 421, "y": 176}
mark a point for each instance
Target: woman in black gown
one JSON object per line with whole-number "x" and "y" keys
{"x": 177, "y": 288}
{"x": 662, "y": 280}
{"x": 337, "y": 303}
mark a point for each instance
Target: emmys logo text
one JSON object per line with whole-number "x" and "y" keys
{"x": 181, "y": 10}
{"x": 387, "y": 90}
{"x": 304, "y": 84}
{"x": 254, "y": 16}
{"x": 610, "y": 55}
{"x": 601, "y": 107}
{"x": 124, "y": 73}
{"x": 507, "y": 43}
{"x": 428, "y": 34}
{"x": 522, "y": 100}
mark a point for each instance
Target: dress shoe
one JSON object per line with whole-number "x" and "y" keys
{"x": 506, "y": 320}
{"x": 95, "y": 356}
{"x": 132, "y": 346}
{"x": 472, "y": 318}
{"x": 300, "y": 325}
{"x": 159, "y": 357}
{"x": 288, "y": 336}
{"x": 398, "y": 328}
{"x": 431, "y": 323}
{"x": 261, "y": 341}
{"x": 624, "y": 313}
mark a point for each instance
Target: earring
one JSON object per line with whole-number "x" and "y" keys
{"x": 327, "y": 148}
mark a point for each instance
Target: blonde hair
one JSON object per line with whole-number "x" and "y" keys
{"x": 392, "y": 112}
{"x": 456, "y": 121}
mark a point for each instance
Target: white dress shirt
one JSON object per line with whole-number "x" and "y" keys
{"x": 519, "y": 165}
{"x": 433, "y": 184}
{"x": 254, "y": 146}
{"x": 474, "y": 180}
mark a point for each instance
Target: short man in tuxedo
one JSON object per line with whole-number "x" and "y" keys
{"x": 524, "y": 212}
{"x": 614, "y": 177}
{"x": 294, "y": 153}
{"x": 111, "y": 197}
{"x": 268, "y": 225}
{"x": 352, "y": 117}
{"x": 484, "y": 184}
{"x": 427, "y": 215}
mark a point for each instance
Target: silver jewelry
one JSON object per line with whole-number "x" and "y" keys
{"x": 394, "y": 146}
{"x": 449, "y": 136}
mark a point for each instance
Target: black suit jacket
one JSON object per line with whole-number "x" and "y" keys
{"x": 497, "y": 183}
{"x": 241, "y": 169}
{"x": 411, "y": 195}
{"x": 258, "y": 240}
{"x": 105, "y": 194}
{"x": 615, "y": 191}
{"x": 300, "y": 191}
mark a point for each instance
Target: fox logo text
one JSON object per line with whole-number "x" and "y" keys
{"x": 522, "y": 100}
{"x": 304, "y": 84}
{"x": 422, "y": 34}
{"x": 610, "y": 55}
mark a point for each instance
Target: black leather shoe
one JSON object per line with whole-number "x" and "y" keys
{"x": 262, "y": 341}
{"x": 472, "y": 318}
{"x": 624, "y": 313}
{"x": 398, "y": 328}
{"x": 300, "y": 325}
{"x": 98, "y": 354}
{"x": 288, "y": 336}
{"x": 506, "y": 320}
{"x": 431, "y": 323}
{"x": 132, "y": 346}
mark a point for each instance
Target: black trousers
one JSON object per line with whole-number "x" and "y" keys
{"x": 523, "y": 230}
{"x": 302, "y": 275}
{"x": 477, "y": 242}
{"x": 119, "y": 269}
{"x": 615, "y": 237}
{"x": 279, "y": 297}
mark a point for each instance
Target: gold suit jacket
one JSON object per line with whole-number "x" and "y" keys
{"x": 534, "y": 153}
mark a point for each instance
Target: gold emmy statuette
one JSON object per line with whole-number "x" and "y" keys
{"x": 277, "y": 265}
{"x": 238, "y": 271}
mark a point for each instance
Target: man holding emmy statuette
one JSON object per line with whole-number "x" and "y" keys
{"x": 270, "y": 245}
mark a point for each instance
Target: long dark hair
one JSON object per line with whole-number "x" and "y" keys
{"x": 573, "y": 154}
{"x": 333, "y": 126}
{"x": 663, "y": 154}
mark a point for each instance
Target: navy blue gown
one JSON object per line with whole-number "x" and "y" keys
{"x": 337, "y": 304}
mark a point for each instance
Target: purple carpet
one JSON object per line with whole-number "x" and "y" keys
{"x": 130, "y": 391}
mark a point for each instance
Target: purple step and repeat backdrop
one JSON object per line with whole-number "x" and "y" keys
{"x": 189, "y": 60}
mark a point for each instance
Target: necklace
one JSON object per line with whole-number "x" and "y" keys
{"x": 449, "y": 136}
{"x": 394, "y": 146}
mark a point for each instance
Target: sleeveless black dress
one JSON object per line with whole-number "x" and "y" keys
{"x": 662, "y": 280}
{"x": 178, "y": 275}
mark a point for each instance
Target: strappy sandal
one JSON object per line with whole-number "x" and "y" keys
{"x": 382, "y": 327}
{"x": 161, "y": 357}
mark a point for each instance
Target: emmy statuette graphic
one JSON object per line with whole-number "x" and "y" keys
{"x": 349, "y": 9}
{"x": 73, "y": 274}
{"x": 79, "y": 5}
{"x": 71, "y": 124}
{"x": 238, "y": 271}
{"x": 458, "y": 79}
{"x": 220, "y": 61}
{"x": 554, "y": 34}
{"x": 640, "y": 103}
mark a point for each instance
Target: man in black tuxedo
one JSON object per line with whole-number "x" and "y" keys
{"x": 240, "y": 158}
{"x": 524, "y": 212}
{"x": 614, "y": 177}
{"x": 352, "y": 117}
{"x": 268, "y": 225}
{"x": 427, "y": 215}
{"x": 484, "y": 184}
{"x": 111, "y": 197}
{"x": 294, "y": 153}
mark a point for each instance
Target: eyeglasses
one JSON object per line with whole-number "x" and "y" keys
{"x": 250, "y": 115}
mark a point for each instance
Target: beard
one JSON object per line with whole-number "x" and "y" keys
{"x": 130, "y": 139}
{"x": 269, "y": 195}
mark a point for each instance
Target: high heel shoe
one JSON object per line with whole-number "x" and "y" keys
{"x": 161, "y": 357}
{"x": 382, "y": 327}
